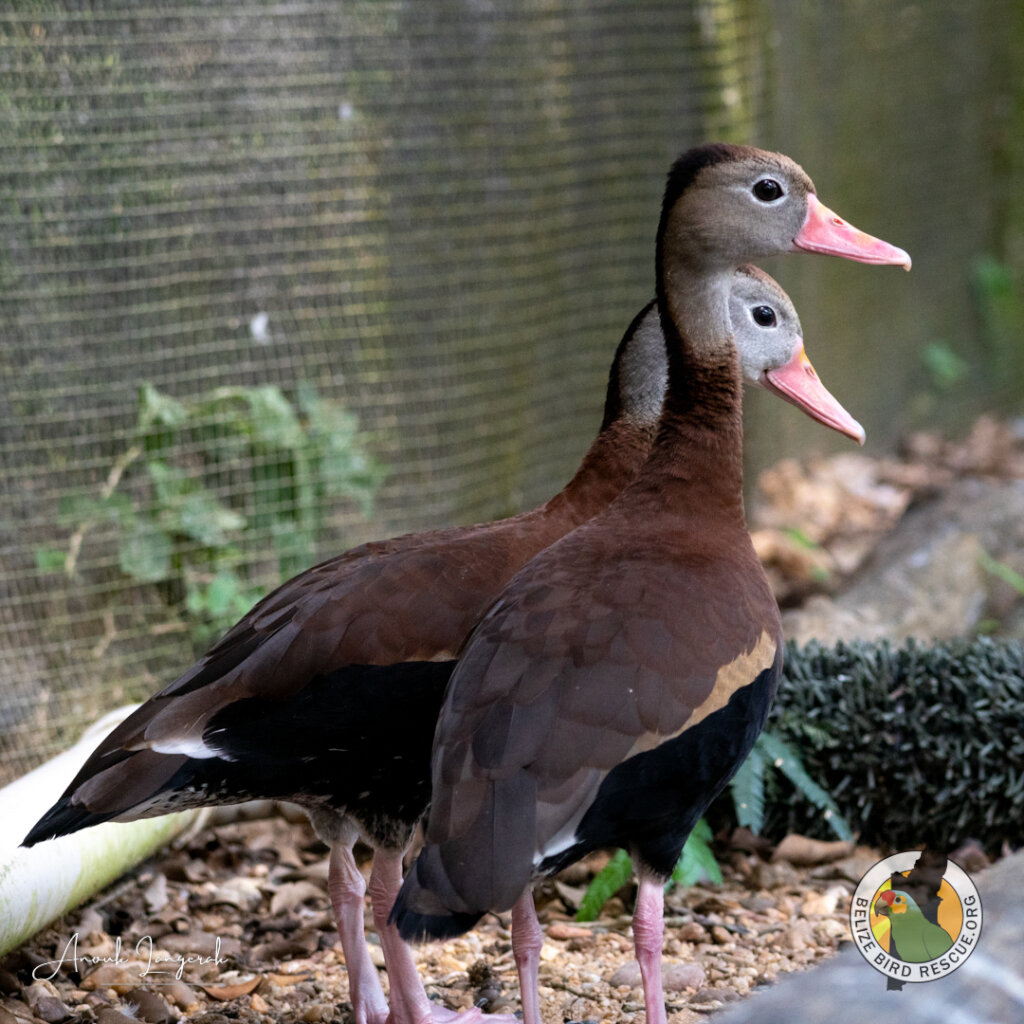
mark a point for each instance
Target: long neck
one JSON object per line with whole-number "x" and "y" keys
{"x": 612, "y": 462}
{"x": 698, "y": 452}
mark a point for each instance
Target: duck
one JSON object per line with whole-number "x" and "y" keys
{"x": 262, "y": 715}
{"x": 621, "y": 678}
{"x": 326, "y": 693}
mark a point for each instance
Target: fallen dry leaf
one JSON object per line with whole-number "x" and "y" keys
{"x": 804, "y": 852}
{"x": 284, "y": 980}
{"x": 226, "y": 992}
{"x": 289, "y": 895}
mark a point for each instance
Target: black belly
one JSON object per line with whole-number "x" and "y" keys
{"x": 649, "y": 804}
{"x": 357, "y": 740}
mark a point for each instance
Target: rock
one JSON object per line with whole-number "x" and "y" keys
{"x": 798, "y": 935}
{"x": 181, "y": 995}
{"x": 935, "y": 549}
{"x": 692, "y": 932}
{"x": 568, "y": 931}
{"x": 822, "y": 903}
{"x": 773, "y": 876}
{"x": 108, "y": 1015}
{"x": 677, "y": 977}
{"x": 150, "y": 1006}
{"x": 628, "y": 974}
{"x": 45, "y": 1002}
{"x": 155, "y": 894}
{"x": 120, "y": 979}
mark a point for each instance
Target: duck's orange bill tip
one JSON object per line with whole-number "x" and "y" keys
{"x": 797, "y": 382}
{"x": 826, "y": 232}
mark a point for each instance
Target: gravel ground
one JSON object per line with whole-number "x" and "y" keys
{"x": 237, "y": 918}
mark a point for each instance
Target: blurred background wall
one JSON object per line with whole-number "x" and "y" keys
{"x": 278, "y": 278}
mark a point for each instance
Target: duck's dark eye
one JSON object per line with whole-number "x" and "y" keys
{"x": 768, "y": 190}
{"x": 764, "y": 316}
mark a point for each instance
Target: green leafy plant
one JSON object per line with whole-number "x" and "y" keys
{"x": 697, "y": 862}
{"x": 999, "y": 301}
{"x": 1001, "y": 571}
{"x": 946, "y": 367}
{"x": 204, "y": 485}
{"x": 748, "y": 785}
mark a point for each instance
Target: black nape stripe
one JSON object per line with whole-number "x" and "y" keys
{"x": 685, "y": 170}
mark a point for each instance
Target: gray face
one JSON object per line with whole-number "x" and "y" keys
{"x": 765, "y": 325}
{"x": 761, "y": 344}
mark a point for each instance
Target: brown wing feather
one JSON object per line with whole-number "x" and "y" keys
{"x": 558, "y": 684}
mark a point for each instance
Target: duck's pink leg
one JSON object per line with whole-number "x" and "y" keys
{"x": 346, "y": 889}
{"x": 527, "y": 938}
{"x": 409, "y": 1002}
{"x": 648, "y": 932}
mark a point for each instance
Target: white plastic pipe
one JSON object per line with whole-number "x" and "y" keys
{"x": 46, "y": 881}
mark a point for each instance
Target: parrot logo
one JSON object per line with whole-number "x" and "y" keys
{"x": 915, "y": 916}
{"x": 913, "y": 937}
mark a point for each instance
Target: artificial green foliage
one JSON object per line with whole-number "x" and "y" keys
{"x": 605, "y": 884}
{"x": 916, "y": 744}
{"x": 207, "y": 489}
{"x": 748, "y": 787}
{"x": 697, "y": 862}
{"x": 748, "y": 790}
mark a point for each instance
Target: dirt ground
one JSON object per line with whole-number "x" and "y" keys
{"x": 234, "y": 925}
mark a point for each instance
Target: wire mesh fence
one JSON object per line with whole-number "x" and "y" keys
{"x": 277, "y": 277}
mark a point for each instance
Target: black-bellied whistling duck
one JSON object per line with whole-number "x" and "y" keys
{"x": 326, "y": 693}
{"x": 621, "y": 678}
{"x": 276, "y": 711}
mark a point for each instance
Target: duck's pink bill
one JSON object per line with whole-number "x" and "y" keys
{"x": 826, "y": 232}
{"x": 798, "y": 383}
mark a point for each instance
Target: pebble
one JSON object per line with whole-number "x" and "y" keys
{"x": 692, "y": 932}
{"x": 568, "y": 931}
{"x": 150, "y": 1006}
{"x": 180, "y": 994}
{"x": 797, "y": 936}
{"x": 677, "y": 977}
{"x": 52, "y": 1010}
{"x": 627, "y": 974}
{"x": 120, "y": 979}
{"x": 824, "y": 902}
{"x": 108, "y": 1015}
